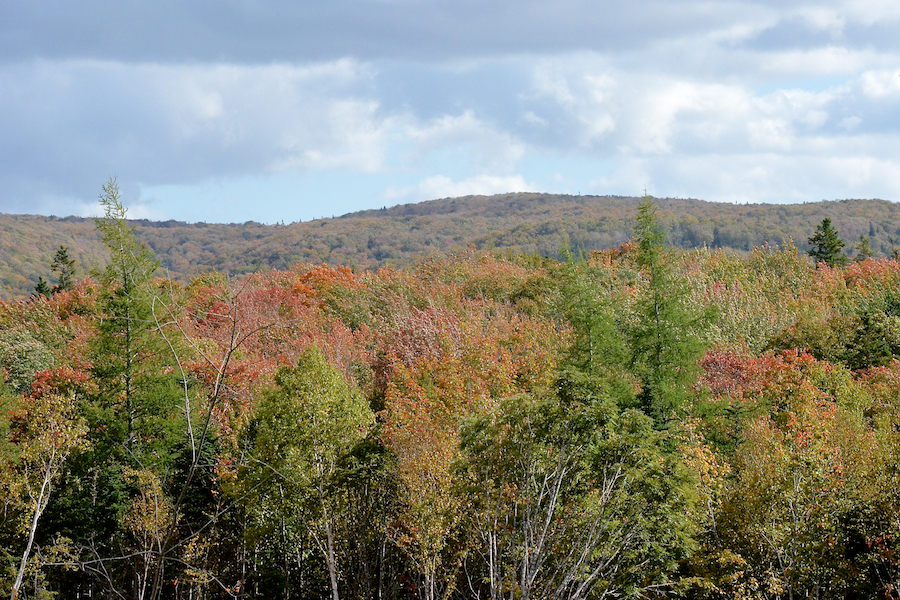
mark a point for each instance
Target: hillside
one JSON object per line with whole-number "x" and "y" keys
{"x": 401, "y": 235}
{"x": 670, "y": 428}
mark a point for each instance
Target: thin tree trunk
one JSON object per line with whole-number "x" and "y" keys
{"x": 331, "y": 570}
{"x": 329, "y": 554}
{"x": 40, "y": 505}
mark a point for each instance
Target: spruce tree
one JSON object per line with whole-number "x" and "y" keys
{"x": 42, "y": 288}
{"x": 125, "y": 330}
{"x": 863, "y": 248}
{"x": 137, "y": 424}
{"x": 826, "y": 245}
{"x": 64, "y": 267}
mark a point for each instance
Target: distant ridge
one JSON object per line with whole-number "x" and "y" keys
{"x": 402, "y": 235}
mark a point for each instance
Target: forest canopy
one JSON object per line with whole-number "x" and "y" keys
{"x": 402, "y": 236}
{"x": 637, "y": 422}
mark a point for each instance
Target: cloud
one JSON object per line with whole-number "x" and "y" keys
{"x": 880, "y": 85}
{"x": 757, "y": 178}
{"x": 432, "y": 97}
{"x": 285, "y": 30}
{"x": 487, "y": 148}
{"x": 441, "y": 186}
{"x": 68, "y": 125}
{"x": 623, "y": 113}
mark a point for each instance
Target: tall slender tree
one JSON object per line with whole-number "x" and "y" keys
{"x": 134, "y": 411}
{"x": 665, "y": 344}
{"x": 64, "y": 267}
{"x": 125, "y": 326}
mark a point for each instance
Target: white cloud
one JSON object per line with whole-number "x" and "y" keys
{"x": 173, "y": 124}
{"x": 758, "y": 177}
{"x": 134, "y": 211}
{"x": 870, "y": 12}
{"x": 881, "y": 84}
{"x": 441, "y": 186}
{"x": 353, "y": 137}
{"x": 490, "y": 150}
{"x": 823, "y": 18}
{"x": 816, "y": 62}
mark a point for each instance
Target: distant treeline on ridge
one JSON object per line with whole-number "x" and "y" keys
{"x": 546, "y": 224}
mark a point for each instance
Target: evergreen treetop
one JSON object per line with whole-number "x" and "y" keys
{"x": 826, "y": 245}
{"x": 64, "y": 267}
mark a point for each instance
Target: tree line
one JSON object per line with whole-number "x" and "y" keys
{"x": 637, "y": 422}
{"x": 403, "y": 236}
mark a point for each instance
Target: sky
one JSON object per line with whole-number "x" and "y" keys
{"x": 284, "y": 110}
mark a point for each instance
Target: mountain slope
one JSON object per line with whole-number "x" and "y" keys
{"x": 401, "y": 235}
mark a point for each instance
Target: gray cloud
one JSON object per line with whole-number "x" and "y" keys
{"x": 286, "y": 30}
{"x": 440, "y": 96}
{"x": 77, "y": 121}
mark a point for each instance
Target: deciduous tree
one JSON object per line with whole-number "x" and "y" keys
{"x": 572, "y": 498}
{"x": 297, "y": 438}
{"x": 45, "y": 432}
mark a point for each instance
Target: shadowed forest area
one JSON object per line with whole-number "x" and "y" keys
{"x": 641, "y": 421}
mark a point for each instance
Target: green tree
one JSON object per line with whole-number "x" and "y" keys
{"x": 42, "y": 288}
{"x": 570, "y": 497}
{"x": 297, "y": 438}
{"x": 585, "y": 302}
{"x": 64, "y": 267}
{"x": 665, "y": 343}
{"x": 136, "y": 428}
{"x": 22, "y": 354}
{"x": 124, "y": 336}
{"x": 826, "y": 245}
{"x": 863, "y": 248}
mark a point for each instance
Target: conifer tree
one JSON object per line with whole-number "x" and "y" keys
{"x": 665, "y": 346}
{"x": 826, "y": 245}
{"x": 42, "y": 288}
{"x": 64, "y": 267}
{"x": 135, "y": 412}
{"x": 124, "y": 330}
{"x": 863, "y": 248}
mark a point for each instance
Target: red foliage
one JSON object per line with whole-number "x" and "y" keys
{"x": 872, "y": 274}
{"x": 80, "y": 300}
{"x": 883, "y": 384}
{"x": 430, "y": 334}
{"x": 770, "y": 376}
{"x": 727, "y": 374}
{"x": 610, "y": 257}
{"x": 62, "y": 381}
{"x": 323, "y": 277}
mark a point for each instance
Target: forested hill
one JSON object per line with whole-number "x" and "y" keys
{"x": 401, "y": 235}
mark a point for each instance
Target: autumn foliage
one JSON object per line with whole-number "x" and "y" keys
{"x": 638, "y": 422}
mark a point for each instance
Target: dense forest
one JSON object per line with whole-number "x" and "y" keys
{"x": 402, "y": 236}
{"x": 637, "y": 422}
